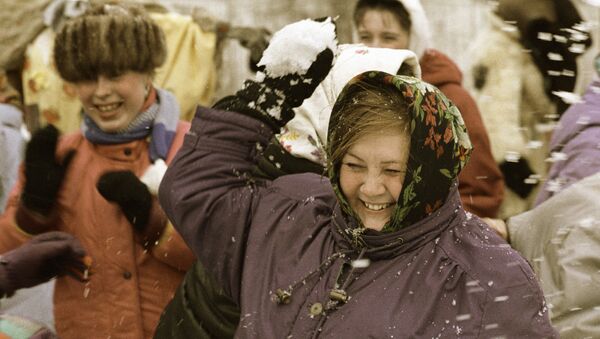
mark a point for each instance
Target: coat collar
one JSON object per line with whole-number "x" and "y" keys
{"x": 386, "y": 245}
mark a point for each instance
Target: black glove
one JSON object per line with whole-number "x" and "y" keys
{"x": 554, "y": 58}
{"x": 43, "y": 173}
{"x": 515, "y": 174}
{"x": 287, "y": 78}
{"x": 45, "y": 256}
{"x": 133, "y": 196}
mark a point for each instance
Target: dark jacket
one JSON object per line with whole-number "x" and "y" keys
{"x": 278, "y": 249}
{"x": 574, "y": 148}
{"x": 481, "y": 185}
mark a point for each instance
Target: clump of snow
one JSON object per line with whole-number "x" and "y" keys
{"x": 296, "y": 46}
{"x": 512, "y": 156}
{"x": 568, "y": 97}
{"x": 556, "y": 157}
{"x": 361, "y": 263}
{"x": 153, "y": 175}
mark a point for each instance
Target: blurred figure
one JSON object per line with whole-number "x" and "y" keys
{"x": 100, "y": 183}
{"x": 403, "y": 24}
{"x": 519, "y": 66}
{"x": 575, "y": 146}
{"x": 189, "y": 70}
{"x": 560, "y": 235}
{"x": 12, "y": 140}
{"x": 38, "y": 260}
{"x": 561, "y": 239}
{"x": 194, "y": 41}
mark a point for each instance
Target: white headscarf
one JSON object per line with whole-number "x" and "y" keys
{"x": 305, "y": 135}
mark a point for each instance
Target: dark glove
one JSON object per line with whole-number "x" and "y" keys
{"x": 45, "y": 256}
{"x": 136, "y": 201}
{"x": 553, "y": 57}
{"x": 294, "y": 64}
{"x": 43, "y": 173}
{"x": 134, "y": 198}
{"x": 515, "y": 174}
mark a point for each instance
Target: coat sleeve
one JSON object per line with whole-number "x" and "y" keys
{"x": 209, "y": 194}
{"x": 11, "y": 234}
{"x": 560, "y": 239}
{"x": 18, "y": 224}
{"x": 532, "y": 321}
{"x": 481, "y": 184}
{"x": 170, "y": 248}
{"x": 583, "y": 160}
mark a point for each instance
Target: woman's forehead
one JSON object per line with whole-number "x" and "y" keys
{"x": 383, "y": 18}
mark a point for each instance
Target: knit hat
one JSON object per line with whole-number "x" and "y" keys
{"x": 109, "y": 39}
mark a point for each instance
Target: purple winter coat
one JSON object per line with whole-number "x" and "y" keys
{"x": 577, "y": 138}
{"x": 445, "y": 276}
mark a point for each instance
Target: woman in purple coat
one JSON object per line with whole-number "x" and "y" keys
{"x": 382, "y": 247}
{"x": 575, "y": 144}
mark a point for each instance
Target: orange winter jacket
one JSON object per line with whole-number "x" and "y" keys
{"x": 129, "y": 286}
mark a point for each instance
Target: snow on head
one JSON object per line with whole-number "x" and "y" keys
{"x": 296, "y": 46}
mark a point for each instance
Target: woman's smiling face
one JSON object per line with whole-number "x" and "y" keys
{"x": 113, "y": 102}
{"x": 372, "y": 174}
{"x": 380, "y": 28}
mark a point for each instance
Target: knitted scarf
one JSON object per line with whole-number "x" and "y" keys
{"x": 159, "y": 122}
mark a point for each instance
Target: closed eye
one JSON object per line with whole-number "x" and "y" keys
{"x": 391, "y": 171}
{"x": 353, "y": 166}
{"x": 364, "y": 37}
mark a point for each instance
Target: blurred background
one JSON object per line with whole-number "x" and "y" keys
{"x": 454, "y": 24}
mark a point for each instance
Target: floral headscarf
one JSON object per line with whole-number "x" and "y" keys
{"x": 440, "y": 146}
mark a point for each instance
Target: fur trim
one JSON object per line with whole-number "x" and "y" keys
{"x": 109, "y": 40}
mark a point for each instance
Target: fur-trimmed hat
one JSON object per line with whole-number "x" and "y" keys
{"x": 109, "y": 39}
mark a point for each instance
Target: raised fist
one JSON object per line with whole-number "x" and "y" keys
{"x": 298, "y": 58}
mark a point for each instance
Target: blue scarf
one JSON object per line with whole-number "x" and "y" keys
{"x": 159, "y": 122}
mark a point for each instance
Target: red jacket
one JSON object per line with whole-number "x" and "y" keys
{"x": 481, "y": 185}
{"x": 129, "y": 286}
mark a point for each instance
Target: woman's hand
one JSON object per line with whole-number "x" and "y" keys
{"x": 45, "y": 256}
{"x": 298, "y": 58}
{"x": 499, "y": 226}
{"x": 43, "y": 172}
{"x": 136, "y": 202}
